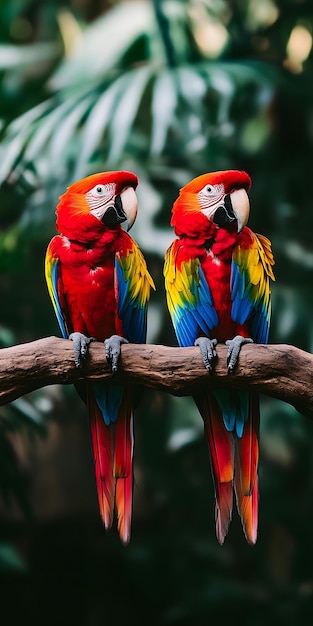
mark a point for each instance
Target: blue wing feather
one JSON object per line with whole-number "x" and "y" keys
{"x": 251, "y": 271}
{"x": 189, "y": 298}
{"x": 133, "y": 283}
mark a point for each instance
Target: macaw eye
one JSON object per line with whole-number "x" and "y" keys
{"x": 212, "y": 191}
{"x": 209, "y": 198}
{"x": 98, "y": 190}
{"x": 100, "y": 195}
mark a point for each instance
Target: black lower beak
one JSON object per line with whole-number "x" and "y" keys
{"x": 115, "y": 214}
{"x": 224, "y": 215}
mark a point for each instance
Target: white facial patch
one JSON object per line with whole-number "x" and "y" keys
{"x": 210, "y": 197}
{"x": 99, "y": 198}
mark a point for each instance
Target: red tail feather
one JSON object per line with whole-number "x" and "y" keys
{"x": 221, "y": 444}
{"x": 223, "y": 509}
{"x": 248, "y": 510}
{"x": 102, "y": 450}
{"x": 124, "y": 440}
{"x": 234, "y": 462}
{"x": 246, "y": 484}
{"x": 113, "y": 455}
{"x": 124, "y": 499}
{"x": 123, "y": 468}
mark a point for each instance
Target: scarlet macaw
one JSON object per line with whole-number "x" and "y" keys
{"x": 99, "y": 285}
{"x": 217, "y": 280}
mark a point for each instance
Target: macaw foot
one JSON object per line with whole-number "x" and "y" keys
{"x": 81, "y": 343}
{"x": 234, "y": 347}
{"x": 113, "y": 350}
{"x": 208, "y": 352}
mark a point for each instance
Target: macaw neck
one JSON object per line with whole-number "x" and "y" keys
{"x": 82, "y": 227}
{"x": 93, "y": 252}
{"x": 106, "y": 239}
{"x": 221, "y": 245}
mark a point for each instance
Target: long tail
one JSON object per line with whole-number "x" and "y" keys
{"x": 221, "y": 445}
{"x": 113, "y": 457}
{"x": 234, "y": 463}
{"x": 246, "y": 471}
{"x": 123, "y": 468}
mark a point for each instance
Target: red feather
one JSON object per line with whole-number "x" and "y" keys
{"x": 246, "y": 473}
{"x": 101, "y": 437}
{"x": 123, "y": 498}
{"x": 221, "y": 445}
{"x": 124, "y": 439}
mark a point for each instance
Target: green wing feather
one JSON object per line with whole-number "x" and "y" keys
{"x": 52, "y": 274}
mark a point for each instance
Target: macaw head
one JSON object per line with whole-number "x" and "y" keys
{"x": 212, "y": 201}
{"x": 97, "y": 203}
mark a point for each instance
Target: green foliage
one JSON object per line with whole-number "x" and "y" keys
{"x": 168, "y": 89}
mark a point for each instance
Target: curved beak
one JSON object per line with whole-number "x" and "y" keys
{"x": 130, "y": 205}
{"x": 235, "y": 207}
{"x": 123, "y": 209}
{"x": 241, "y": 207}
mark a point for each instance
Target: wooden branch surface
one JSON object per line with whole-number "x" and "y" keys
{"x": 281, "y": 371}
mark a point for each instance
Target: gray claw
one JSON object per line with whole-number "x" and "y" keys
{"x": 234, "y": 347}
{"x": 113, "y": 350}
{"x": 208, "y": 352}
{"x": 81, "y": 343}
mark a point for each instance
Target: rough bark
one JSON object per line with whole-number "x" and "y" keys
{"x": 281, "y": 371}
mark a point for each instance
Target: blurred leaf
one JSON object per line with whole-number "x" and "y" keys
{"x": 126, "y": 109}
{"x": 17, "y": 135}
{"x": 95, "y": 125}
{"x": 29, "y": 411}
{"x": 19, "y": 57}
{"x": 164, "y": 102}
{"x": 66, "y": 128}
{"x": 104, "y": 43}
{"x": 10, "y": 560}
{"x": 47, "y": 127}
{"x": 6, "y": 337}
{"x": 12, "y": 479}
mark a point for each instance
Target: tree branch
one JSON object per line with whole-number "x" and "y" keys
{"x": 280, "y": 371}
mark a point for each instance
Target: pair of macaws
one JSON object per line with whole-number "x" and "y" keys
{"x": 217, "y": 279}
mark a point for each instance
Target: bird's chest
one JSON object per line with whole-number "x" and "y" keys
{"x": 218, "y": 275}
{"x": 87, "y": 277}
{"x": 88, "y": 268}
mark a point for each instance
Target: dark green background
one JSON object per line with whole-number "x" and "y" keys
{"x": 143, "y": 93}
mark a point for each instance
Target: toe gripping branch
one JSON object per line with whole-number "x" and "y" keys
{"x": 234, "y": 347}
{"x": 113, "y": 350}
{"x": 208, "y": 352}
{"x": 81, "y": 344}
